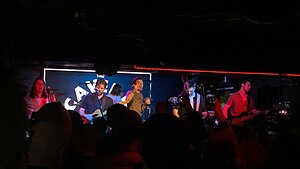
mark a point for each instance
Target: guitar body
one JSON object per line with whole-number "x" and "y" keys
{"x": 95, "y": 114}
{"x": 243, "y": 117}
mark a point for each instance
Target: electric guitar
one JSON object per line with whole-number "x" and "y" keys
{"x": 95, "y": 114}
{"x": 240, "y": 119}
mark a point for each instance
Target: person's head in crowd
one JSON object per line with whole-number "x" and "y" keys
{"x": 77, "y": 120}
{"x": 101, "y": 124}
{"x": 112, "y": 114}
{"x": 165, "y": 142}
{"x": 53, "y": 111}
{"x": 163, "y": 107}
{"x": 128, "y": 126}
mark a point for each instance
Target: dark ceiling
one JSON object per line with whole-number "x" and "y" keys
{"x": 248, "y": 35}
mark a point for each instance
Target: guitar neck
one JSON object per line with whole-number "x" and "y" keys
{"x": 246, "y": 117}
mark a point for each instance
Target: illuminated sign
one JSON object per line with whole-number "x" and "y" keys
{"x": 71, "y": 85}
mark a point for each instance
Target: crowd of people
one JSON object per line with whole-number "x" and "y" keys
{"x": 109, "y": 133}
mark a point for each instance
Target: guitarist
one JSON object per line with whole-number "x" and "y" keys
{"x": 95, "y": 104}
{"x": 238, "y": 106}
{"x": 38, "y": 96}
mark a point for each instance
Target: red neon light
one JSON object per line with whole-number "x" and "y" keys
{"x": 211, "y": 71}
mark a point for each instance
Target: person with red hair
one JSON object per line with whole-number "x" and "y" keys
{"x": 38, "y": 96}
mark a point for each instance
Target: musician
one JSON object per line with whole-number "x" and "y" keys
{"x": 190, "y": 100}
{"x": 116, "y": 93}
{"x": 95, "y": 104}
{"x": 239, "y": 104}
{"x": 38, "y": 96}
{"x": 191, "y": 110}
{"x": 134, "y": 98}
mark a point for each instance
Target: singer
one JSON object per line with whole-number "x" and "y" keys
{"x": 95, "y": 104}
{"x": 134, "y": 98}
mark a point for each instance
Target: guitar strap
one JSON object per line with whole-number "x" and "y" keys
{"x": 100, "y": 105}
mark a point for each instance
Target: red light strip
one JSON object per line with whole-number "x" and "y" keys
{"x": 211, "y": 71}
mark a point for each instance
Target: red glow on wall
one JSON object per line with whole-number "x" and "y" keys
{"x": 211, "y": 71}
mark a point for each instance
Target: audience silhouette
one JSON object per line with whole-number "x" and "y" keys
{"x": 13, "y": 121}
{"x": 119, "y": 146}
{"x": 51, "y": 137}
{"x": 165, "y": 143}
